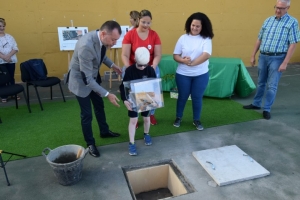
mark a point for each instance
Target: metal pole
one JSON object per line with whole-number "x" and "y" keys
{"x": 3, "y": 166}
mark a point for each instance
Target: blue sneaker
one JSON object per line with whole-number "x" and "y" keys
{"x": 147, "y": 139}
{"x": 132, "y": 149}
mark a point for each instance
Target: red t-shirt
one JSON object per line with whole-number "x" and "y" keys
{"x": 133, "y": 38}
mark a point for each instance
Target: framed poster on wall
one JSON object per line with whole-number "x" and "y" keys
{"x": 68, "y": 37}
{"x": 120, "y": 40}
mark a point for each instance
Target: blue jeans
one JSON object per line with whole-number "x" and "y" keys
{"x": 194, "y": 86}
{"x": 157, "y": 71}
{"x": 268, "y": 78}
{"x": 86, "y": 116}
{"x": 11, "y": 70}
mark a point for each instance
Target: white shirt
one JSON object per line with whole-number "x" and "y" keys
{"x": 192, "y": 46}
{"x": 7, "y": 44}
{"x": 107, "y": 93}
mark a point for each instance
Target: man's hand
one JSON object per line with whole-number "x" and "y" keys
{"x": 113, "y": 99}
{"x": 252, "y": 61}
{"x": 128, "y": 105}
{"x": 282, "y": 67}
{"x": 117, "y": 69}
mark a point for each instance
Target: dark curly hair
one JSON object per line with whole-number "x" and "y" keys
{"x": 206, "y": 30}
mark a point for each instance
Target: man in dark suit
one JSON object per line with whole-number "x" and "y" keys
{"x": 84, "y": 79}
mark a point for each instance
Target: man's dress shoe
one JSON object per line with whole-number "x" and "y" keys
{"x": 94, "y": 151}
{"x": 109, "y": 134}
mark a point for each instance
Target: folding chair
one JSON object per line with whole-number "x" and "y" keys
{"x": 34, "y": 72}
{"x": 10, "y": 90}
{"x": 2, "y": 163}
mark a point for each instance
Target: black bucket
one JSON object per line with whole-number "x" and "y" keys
{"x": 66, "y": 162}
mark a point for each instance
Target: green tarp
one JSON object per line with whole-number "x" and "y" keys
{"x": 227, "y": 76}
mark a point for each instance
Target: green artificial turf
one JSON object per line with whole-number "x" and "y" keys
{"x": 59, "y": 124}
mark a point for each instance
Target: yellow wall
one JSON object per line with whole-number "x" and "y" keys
{"x": 33, "y": 23}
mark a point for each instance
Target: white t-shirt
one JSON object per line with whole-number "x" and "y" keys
{"x": 7, "y": 44}
{"x": 192, "y": 46}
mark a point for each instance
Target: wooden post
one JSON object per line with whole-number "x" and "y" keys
{"x": 68, "y": 59}
{"x": 116, "y": 61}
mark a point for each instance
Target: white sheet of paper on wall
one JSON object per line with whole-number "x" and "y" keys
{"x": 229, "y": 164}
{"x": 68, "y": 37}
{"x": 118, "y": 44}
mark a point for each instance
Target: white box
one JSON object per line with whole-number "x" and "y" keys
{"x": 156, "y": 177}
{"x": 144, "y": 94}
{"x": 156, "y": 180}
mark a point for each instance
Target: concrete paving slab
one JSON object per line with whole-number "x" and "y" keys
{"x": 227, "y": 165}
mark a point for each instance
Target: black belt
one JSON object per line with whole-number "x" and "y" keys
{"x": 273, "y": 54}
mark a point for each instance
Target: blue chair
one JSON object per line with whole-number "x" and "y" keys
{"x": 34, "y": 72}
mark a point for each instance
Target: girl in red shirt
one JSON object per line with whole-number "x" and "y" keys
{"x": 142, "y": 36}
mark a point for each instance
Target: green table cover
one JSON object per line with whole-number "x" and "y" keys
{"x": 227, "y": 76}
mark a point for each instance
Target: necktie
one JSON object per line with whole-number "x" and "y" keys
{"x": 103, "y": 52}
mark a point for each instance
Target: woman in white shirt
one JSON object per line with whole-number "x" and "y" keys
{"x": 192, "y": 52}
{"x": 8, "y": 50}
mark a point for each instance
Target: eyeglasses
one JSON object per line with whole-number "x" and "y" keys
{"x": 278, "y": 8}
{"x": 138, "y": 65}
{"x": 146, "y": 23}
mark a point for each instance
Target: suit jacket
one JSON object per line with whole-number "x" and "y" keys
{"x": 85, "y": 64}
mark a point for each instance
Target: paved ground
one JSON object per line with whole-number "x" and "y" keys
{"x": 273, "y": 143}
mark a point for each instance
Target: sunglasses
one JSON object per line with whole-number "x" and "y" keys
{"x": 2, "y": 19}
{"x": 141, "y": 65}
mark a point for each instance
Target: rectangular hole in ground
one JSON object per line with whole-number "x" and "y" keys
{"x": 157, "y": 180}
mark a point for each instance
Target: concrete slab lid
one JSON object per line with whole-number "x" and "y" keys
{"x": 229, "y": 164}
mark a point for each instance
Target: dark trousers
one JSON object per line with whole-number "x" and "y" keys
{"x": 86, "y": 116}
{"x": 11, "y": 70}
